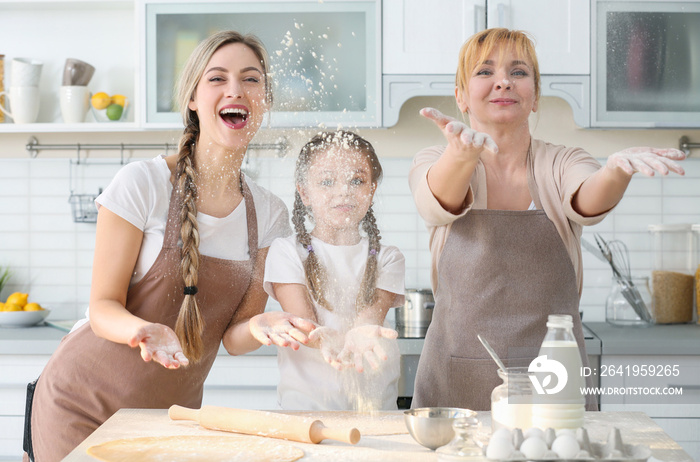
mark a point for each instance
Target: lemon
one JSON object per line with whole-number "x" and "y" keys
{"x": 12, "y": 307}
{"x": 2, "y": 306}
{"x": 114, "y": 112}
{"x": 100, "y": 100}
{"x": 17, "y": 298}
{"x": 32, "y": 307}
{"x": 119, "y": 99}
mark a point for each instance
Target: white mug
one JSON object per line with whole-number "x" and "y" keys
{"x": 25, "y": 72}
{"x": 75, "y": 100}
{"x": 24, "y": 102}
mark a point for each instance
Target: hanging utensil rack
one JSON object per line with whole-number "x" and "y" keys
{"x": 33, "y": 147}
{"x": 83, "y": 205}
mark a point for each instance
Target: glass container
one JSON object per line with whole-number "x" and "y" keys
{"x": 511, "y": 401}
{"x": 619, "y": 311}
{"x": 672, "y": 276}
{"x": 696, "y": 265}
{"x": 463, "y": 446}
{"x": 558, "y": 401}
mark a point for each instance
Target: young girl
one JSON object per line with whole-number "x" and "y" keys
{"x": 342, "y": 280}
{"x": 179, "y": 254}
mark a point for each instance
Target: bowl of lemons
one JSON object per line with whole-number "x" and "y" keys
{"x": 17, "y": 311}
{"x": 106, "y": 108}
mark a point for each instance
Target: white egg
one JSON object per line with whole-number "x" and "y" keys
{"x": 566, "y": 446}
{"x": 533, "y": 448}
{"x": 499, "y": 448}
{"x": 534, "y": 431}
{"x": 502, "y": 433}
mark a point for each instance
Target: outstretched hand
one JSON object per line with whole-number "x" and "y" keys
{"x": 160, "y": 344}
{"x": 330, "y": 342}
{"x": 364, "y": 342}
{"x": 647, "y": 161}
{"x": 280, "y": 328}
{"x": 459, "y": 134}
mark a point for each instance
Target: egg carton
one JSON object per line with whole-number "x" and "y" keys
{"x": 562, "y": 445}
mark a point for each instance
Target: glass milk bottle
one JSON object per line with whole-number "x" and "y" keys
{"x": 558, "y": 400}
{"x": 511, "y": 401}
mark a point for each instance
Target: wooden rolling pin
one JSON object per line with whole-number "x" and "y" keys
{"x": 263, "y": 423}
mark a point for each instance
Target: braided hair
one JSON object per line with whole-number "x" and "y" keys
{"x": 190, "y": 325}
{"x": 316, "y": 275}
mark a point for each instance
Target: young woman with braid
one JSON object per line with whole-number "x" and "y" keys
{"x": 179, "y": 257}
{"x": 340, "y": 276}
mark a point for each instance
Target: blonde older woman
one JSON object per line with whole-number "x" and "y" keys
{"x": 505, "y": 214}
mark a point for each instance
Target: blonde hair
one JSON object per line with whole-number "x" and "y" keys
{"x": 479, "y": 46}
{"x": 190, "y": 325}
{"x": 315, "y": 272}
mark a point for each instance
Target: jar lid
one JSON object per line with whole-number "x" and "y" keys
{"x": 671, "y": 228}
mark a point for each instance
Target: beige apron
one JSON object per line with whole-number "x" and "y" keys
{"x": 501, "y": 273}
{"x": 89, "y": 378}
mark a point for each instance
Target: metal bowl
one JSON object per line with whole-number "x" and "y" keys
{"x": 432, "y": 426}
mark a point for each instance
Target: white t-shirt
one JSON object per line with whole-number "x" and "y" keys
{"x": 140, "y": 194}
{"x": 307, "y": 382}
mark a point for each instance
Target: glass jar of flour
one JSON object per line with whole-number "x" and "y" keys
{"x": 511, "y": 401}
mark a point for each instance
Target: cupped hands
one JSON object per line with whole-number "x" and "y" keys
{"x": 159, "y": 343}
{"x": 281, "y": 328}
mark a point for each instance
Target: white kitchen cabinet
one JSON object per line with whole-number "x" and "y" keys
{"x": 101, "y": 33}
{"x": 325, "y": 57}
{"x": 17, "y": 372}
{"x": 678, "y": 415}
{"x": 561, "y": 29}
{"x": 421, "y": 43}
{"x": 422, "y": 37}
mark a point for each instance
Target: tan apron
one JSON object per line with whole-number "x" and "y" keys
{"x": 501, "y": 273}
{"x": 89, "y": 378}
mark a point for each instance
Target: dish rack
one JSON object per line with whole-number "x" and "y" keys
{"x": 83, "y": 207}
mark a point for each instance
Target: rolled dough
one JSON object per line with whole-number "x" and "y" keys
{"x": 224, "y": 448}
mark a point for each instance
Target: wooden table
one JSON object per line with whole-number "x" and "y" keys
{"x": 636, "y": 428}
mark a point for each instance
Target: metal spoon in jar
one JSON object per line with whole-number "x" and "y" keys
{"x": 492, "y": 352}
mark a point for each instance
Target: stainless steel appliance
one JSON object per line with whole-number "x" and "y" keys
{"x": 413, "y": 318}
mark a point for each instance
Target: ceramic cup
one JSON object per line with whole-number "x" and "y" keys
{"x": 25, "y": 72}
{"x": 24, "y": 102}
{"x": 75, "y": 100}
{"x": 77, "y": 72}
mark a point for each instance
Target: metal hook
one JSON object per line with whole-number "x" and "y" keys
{"x": 121, "y": 153}
{"x": 77, "y": 152}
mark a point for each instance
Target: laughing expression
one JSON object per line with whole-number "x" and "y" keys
{"x": 230, "y": 97}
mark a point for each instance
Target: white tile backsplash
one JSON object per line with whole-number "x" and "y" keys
{"x": 51, "y": 256}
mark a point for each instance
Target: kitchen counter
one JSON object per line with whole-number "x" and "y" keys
{"x": 658, "y": 339}
{"x": 635, "y": 427}
{"x": 44, "y": 339}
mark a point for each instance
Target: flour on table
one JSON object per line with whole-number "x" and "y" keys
{"x": 196, "y": 448}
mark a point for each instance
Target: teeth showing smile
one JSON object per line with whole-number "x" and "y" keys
{"x": 234, "y": 115}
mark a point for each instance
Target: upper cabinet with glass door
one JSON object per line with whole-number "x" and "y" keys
{"x": 325, "y": 56}
{"x": 646, "y": 64}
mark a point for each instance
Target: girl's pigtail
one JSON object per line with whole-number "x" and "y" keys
{"x": 367, "y": 293}
{"x": 189, "y": 325}
{"x": 314, "y": 271}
